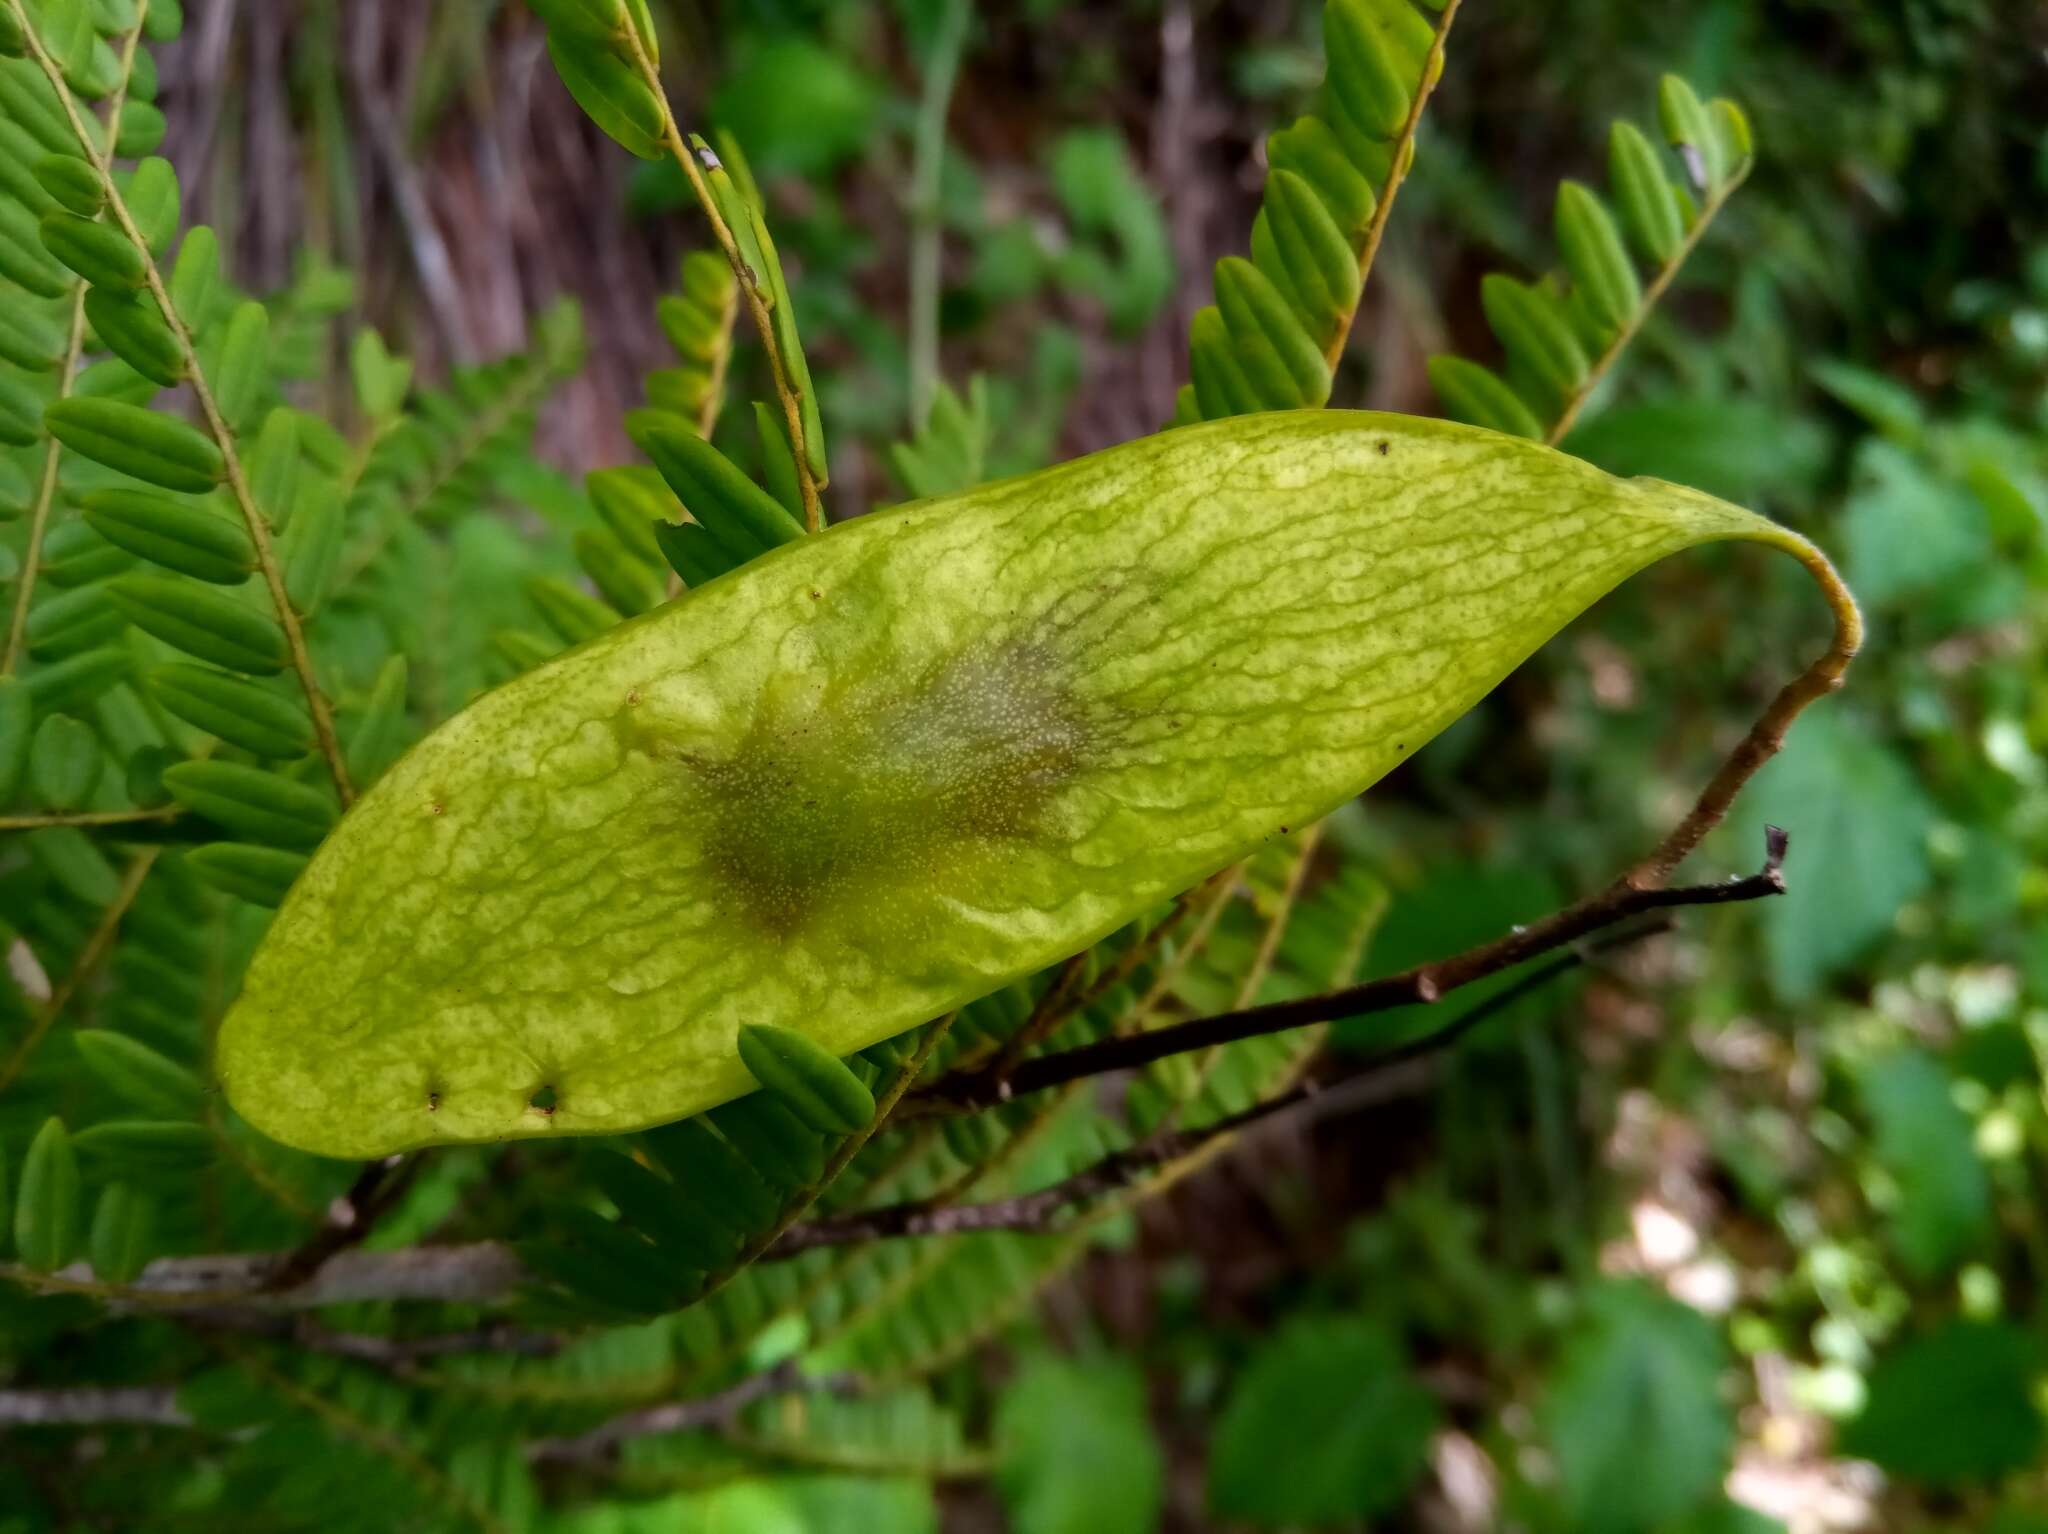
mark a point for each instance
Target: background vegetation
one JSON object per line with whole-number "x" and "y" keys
{"x": 1739, "y": 1228}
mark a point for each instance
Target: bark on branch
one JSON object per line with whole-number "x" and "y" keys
{"x": 973, "y": 1091}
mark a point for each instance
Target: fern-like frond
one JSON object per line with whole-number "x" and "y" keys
{"x": 1563, "y": 335}
{"x": 1280, "y": 321}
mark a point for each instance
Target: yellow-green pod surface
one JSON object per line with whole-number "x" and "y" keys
{"x": 878, "y": 772}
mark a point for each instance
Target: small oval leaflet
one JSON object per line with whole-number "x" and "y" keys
{"x": 813, "y": 1081}
{"x": 877, "y": 773}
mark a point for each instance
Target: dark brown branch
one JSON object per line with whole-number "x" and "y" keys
{"x": 972, "y": 1091}
{"x": 1379, "y": 1077}
{"x": 479, "y": 1272}
{"x": 371, "y": 1348}
{"x": 598, "y": 1445}
{"x": 146, "y": 1405}
{"x": 350, "y": 1218}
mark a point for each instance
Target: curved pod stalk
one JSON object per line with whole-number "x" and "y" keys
{"x": 875, "y": 774}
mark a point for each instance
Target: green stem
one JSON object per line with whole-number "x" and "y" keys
{"x": 928, "y": 164}
{"x": 46, "y": 489}
{"x": 88, "y": 818}
{"x": 253, "y": 520}
{"x": 792, "y": 408}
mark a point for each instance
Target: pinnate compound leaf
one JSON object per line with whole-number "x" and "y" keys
{"x": 882, "y": 771}
{"x": 1326, "y": 1427}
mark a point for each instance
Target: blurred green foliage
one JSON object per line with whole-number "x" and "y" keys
{"x": 1680, "y": 1240}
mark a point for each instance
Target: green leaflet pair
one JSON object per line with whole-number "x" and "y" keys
{"x": 49, "y": 1206}
{"x": 874, "y": 774}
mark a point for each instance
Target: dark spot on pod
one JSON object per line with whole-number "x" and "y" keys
{"x": 1383, "y": 446}
{"x": 542, "y": 1101}
{"x": 826, "y": 801}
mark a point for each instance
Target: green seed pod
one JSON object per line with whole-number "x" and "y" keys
{"x": 98, "y": 252}
{"x": 64, "y": 763}
{"x": 142, "y": 1078}
{"x": 186, "y": 538}
{"x": 235, "y": 710}
{"x": 202, "y": 622}
{"x": 262, "y": 876}
{"x": 123, "y": 1230}
{"x": 251, "y": 802}
{"x": 883, "y": 771}
{"x": 813, "y": 1081}
{"x": 47, "y": 1210}
{"x": 72, "y": 182}
{"x": 153, "y": 447}
{"x": 133, "y": 329}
